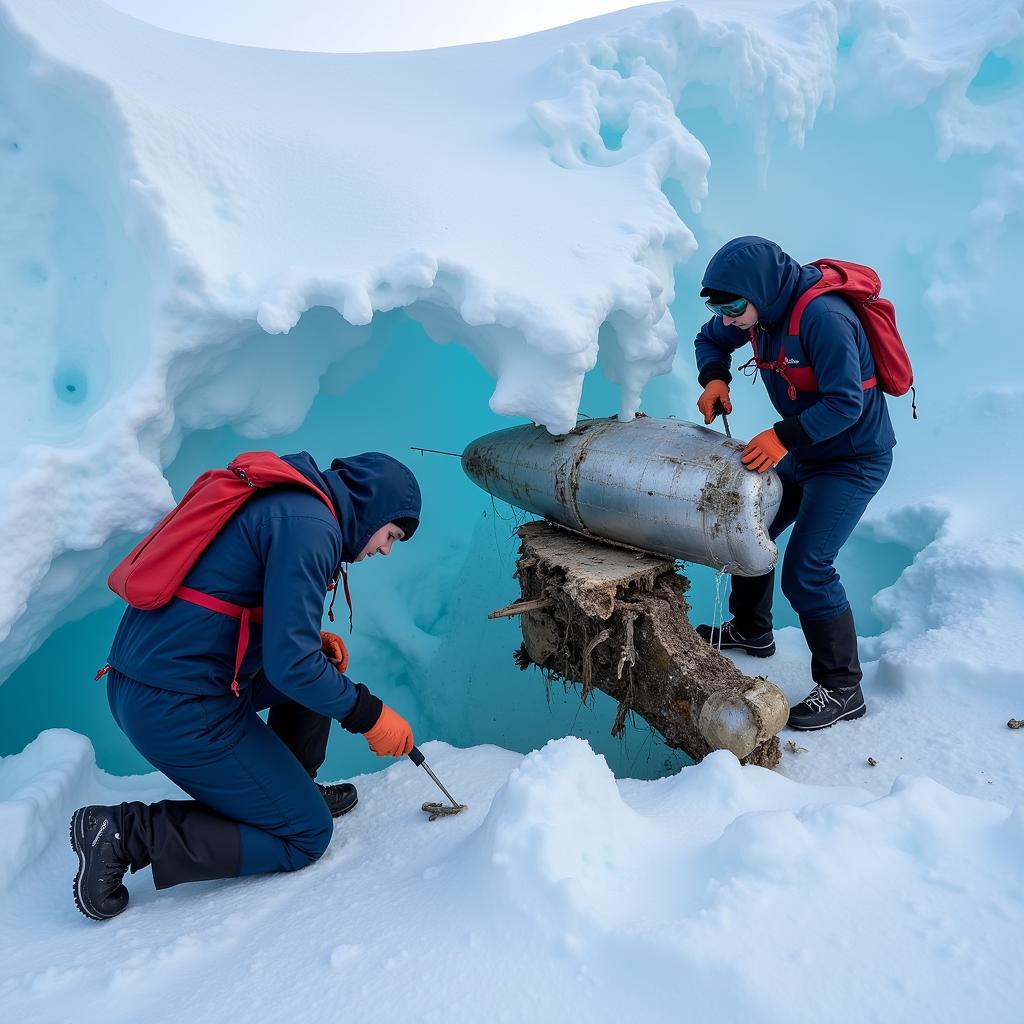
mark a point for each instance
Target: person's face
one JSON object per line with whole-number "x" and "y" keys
{"x": 380, "y": 543}
{"x": 745, "y": 320}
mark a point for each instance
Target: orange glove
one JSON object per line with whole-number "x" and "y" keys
{"x": 764, "y": 451}
{"x": 716, "y": 391}
{"x": 391, "y": 736}
{"x": 334, "y": 650}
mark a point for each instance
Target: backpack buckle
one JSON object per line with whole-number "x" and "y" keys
{"x": 242, "y": 475}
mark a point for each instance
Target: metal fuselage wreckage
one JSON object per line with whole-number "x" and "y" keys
{"x": 602, "y": 602}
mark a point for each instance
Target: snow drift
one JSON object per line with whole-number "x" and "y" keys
{"x": 728, "y": 891}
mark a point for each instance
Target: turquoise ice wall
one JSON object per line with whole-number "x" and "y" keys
{"x": 459, "y": 682}
{"x": 433, "y": 654}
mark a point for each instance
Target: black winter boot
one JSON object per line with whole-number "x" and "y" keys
{"x": 835, "y": 668}
{"x": 102, "y": 861}
{"x": 750, "y": 602}
{"x": 759, "y": 645}
{"x": 822, "y": 708}
{"x": 340, "y": 798}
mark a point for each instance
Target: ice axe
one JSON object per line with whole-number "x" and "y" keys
{"x": 435, "y": 810}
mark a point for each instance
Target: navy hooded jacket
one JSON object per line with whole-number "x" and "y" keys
{"x": 838, "y": 421}
{"x": 279, "y": 551}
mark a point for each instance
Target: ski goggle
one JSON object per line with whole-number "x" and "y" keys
{"x": 734, "y": 308}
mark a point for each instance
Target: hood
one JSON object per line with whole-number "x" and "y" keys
{"x": 760, "y": 271}
{"x": 368, "y": 491}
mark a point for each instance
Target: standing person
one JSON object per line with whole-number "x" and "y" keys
{"x": 185, "y": 685}
{"x": 832, "y": 449}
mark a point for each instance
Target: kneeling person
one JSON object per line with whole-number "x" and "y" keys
{"x": 185, "y": 685}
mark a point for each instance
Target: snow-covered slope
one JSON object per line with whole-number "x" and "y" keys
{"x": 720, "y": 894}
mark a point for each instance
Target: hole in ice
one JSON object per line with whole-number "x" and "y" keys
{"x": 417, "y": 615}
{"x": 70, "y": 385}
{"x": 872, "y": 560}
{"x": 995, "y": 76}
{"x": 868, "y": 564}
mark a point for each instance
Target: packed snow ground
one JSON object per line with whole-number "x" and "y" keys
{"x": 829, "y": 890}
{"x": 721, "y": 893}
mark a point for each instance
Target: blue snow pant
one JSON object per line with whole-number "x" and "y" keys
{"x": 255, "y": 807}
{"x": 823, "y": 502}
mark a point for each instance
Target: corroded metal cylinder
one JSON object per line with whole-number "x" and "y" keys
{"x": 740, "y": 722}
{"x": 666, "y": 486}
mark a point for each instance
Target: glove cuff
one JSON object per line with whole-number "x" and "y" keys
{"x": 366, "y": 713}
{"x": 791, "y": 433}
{"x": 714, "y": 371}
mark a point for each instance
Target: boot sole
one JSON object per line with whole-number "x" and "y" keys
{"x": 847, "y": 716}
{"x": 76, "y": 834}
{"x": 341, "y": 814}
{"x": 755, "y": 652}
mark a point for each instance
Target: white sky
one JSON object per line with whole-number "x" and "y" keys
{"x": 363, "y": 25}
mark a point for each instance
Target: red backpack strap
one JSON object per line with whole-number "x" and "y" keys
{"x": 234, "y": 611}
{"x": 836, "y": 276}
{"x": 802, "y": 379}
{"x": 833, "y": 278}
{"x": 755, "y": 359}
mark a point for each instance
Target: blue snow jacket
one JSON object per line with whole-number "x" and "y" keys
{"x": 279, "y": 551}
{"x": 838, "y": 421}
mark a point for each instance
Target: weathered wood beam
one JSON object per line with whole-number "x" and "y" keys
{"x": 615, "y": 620}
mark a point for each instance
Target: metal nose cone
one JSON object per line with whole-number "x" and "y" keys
{"x": 670, "y": 487}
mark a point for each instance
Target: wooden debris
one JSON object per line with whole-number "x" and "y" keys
{"x": 439, "y": 810}
{"x": 615, "y": 620}
{"x": 518, "y": 607}
{"x": 587, "y": 665}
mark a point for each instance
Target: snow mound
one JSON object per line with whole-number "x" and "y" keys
{"x": 558, "y": 891}
{"x": 559, "y": 838}
{"x": 37, "y": 790}
{"x": 41, "y": 786}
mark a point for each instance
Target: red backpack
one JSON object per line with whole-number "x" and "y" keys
{"x": 152, "y": 573}
{"x": 860, "y": 286}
